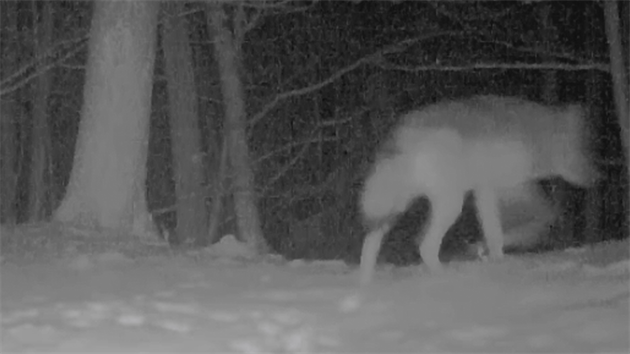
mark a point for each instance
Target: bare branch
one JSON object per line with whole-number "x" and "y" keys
{"x": 312, "y": 140}
{"x": 374, "y": 57}
{"x": 243, "y": 23}
{"x": 348, "y": 119}
{"x": 296, "y": 9}
{"x": 285, "y": 168}
{"x": 334, "y": 122}
{"x": 278, "y": 5}
{"x": 538, "y": 51}
{"x": 539, "y": 1}
{"x": 438, "y": 6}
{"x": 308, "y": 189}
{"x": 21, "y": 83}
{"x": 475, "y": 2}
{"x": 79, "y": 41}
{"x": 497, "y": 66}
{"x": 266, "y": 4}
{"x": 490, "y": 38}
{"x": 283, "y": 5}
{"x": 239, "y": 25}
{"x": 253, "y": 20}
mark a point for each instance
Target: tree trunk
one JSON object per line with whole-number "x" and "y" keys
{"x": 107, "y": 183}
{"x": 218, "y": 196}
{"x": 620, "y": 87}
{"x": 214, "y": 148}
{"x": 9, "y": 113}
{"x": 185, "y": 131}
{"x": 228, "y": 57}
{"x": 625, "y": 28}
{"x": 38, "y": 200}
{"x": 594, "y": 197}
{"x": 550, "y": 84}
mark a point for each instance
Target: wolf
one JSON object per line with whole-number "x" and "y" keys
{"x": 495, "y": 147}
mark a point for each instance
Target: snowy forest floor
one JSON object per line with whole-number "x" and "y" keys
{"x": 76, "y": 293}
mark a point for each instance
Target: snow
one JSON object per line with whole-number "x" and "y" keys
{"x": 68, "y": 294}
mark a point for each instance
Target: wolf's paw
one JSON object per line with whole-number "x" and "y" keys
{"x": 496, "y": 255}
{"x": 480, "y": 251}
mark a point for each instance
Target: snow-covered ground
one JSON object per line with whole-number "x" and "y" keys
{"x": 85, "y": 293}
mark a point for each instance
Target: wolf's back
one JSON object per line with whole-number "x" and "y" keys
{"x": 556, "y": 138}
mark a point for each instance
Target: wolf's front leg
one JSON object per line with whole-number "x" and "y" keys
{"x": 489, "y": 218}
{"x": 370, "y": 250}
{"x": 387, "y": 192}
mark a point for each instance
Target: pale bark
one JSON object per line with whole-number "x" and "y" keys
{"x": 228, "y": 57}
{"x": 40, "y": 141}
{"x": 107, "y": 183}
{"x": 185, "y": 130}
{"x": 9, "y": 113}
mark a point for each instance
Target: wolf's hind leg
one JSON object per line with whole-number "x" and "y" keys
{"x": 489, "y": 218}
{"x": 446, "y": 206}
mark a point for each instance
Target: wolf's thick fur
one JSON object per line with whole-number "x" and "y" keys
{"x": 496, "y": 147}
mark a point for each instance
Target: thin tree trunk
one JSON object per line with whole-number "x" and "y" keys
{"x": 248, "y": 223}
{"x": 218, "y": 196}
{"x": 594, "y": 197}
{"x": 620, "y": 86}
{"x": 625, "y": 28}
{"x": 40, "y": 142}
{"x": 185, "y": 131}
{"x": 8, "y": 116}
{"x": 550, "y": 84}
{"x": 107, "y": 182}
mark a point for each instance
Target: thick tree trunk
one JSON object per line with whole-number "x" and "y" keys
{"x": 245, "y": 206}
{"x": 38, "y": 200}
{"x": 9, "y": 113}
{"x": 107, "y": 183}
{"x": 185, "y": 130}
{"x": 215, "y": 150}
